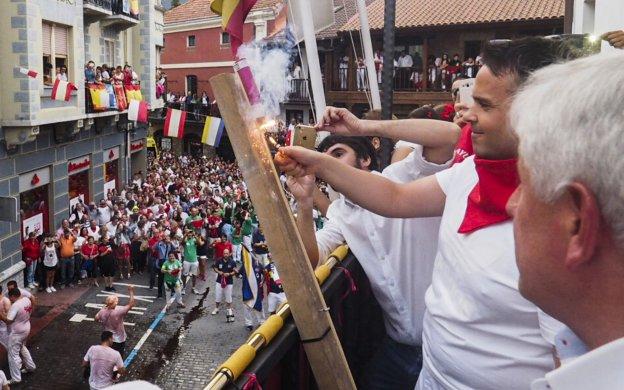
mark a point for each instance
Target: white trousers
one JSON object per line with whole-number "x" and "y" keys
{"x": 247, "y": 241}
{"x": 18, "y": 353}
{"x": 275, "y": 301}
{"x": 221, "y": 291}
{"x": 253, "y": 316}
{"x": 237, "y": 249}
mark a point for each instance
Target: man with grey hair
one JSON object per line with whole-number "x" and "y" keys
{"x": 569, "y": 213}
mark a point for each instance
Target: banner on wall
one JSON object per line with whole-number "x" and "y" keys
{"x": 74, "y": 201}
{"x": 109, "y": 186}
{"x": 32, "y": 224}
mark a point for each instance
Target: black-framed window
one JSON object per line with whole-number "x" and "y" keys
{"x": 190, "y": 41}
{"x": 225, "y": 38}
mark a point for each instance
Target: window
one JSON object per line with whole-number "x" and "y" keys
{"x": 225, "y": 38}
{"x": 109, "y": 52}
{"x": 191, "y": 84}
{"x": 190, "y": 41}
{"x": 55, "y": 51}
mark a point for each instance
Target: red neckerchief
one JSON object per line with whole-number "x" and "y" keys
{"x": 498, "y": 179}
{"x": 463, "y": 148}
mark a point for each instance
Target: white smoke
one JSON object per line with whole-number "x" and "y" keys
{"x": 270, "y": 61}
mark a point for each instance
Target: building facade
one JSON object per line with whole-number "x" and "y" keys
{"x": 427, "y": 32}
{"x": 197, "y": 48}
{"x": 54, "y": 153}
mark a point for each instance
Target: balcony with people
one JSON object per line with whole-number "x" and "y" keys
{"x": 109, "y": 88}
{"x": 435, "y": 75}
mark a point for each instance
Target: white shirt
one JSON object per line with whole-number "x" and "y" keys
{"x": 479, "y": 332}
{"x": 19, "y": 313}
{"x": 102, "y": 361}
{"x": 104, "y": 215}
{"x": 406, "y": 61}
{"x": 396, "y": 254}
{"x": 599, "y": 369}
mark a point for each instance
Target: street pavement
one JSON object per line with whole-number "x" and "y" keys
{"x": 182, "y": 353}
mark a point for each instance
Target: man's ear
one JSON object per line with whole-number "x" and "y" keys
{"x": 365, "y": 163}
{"x": 585, "y": 226}
{"x": 376, "y": 141}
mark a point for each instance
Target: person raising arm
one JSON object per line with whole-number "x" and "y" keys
{"x": 420, "y": 198}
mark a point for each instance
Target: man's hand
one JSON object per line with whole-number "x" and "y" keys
{"x": 298, "y": 161}
{"x": 302, "y": 188}
{"x": 340, "y": 121}
{"x": 615, "y": 38}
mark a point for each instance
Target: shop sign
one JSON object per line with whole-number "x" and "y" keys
{"x": 111, "y": 154}
{"x": 78, "y": 165}
{"x": 34, "y": 179}
{"x": 137, "y": 146}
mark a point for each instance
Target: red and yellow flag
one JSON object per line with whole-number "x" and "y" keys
{"x": 233, "y": 14}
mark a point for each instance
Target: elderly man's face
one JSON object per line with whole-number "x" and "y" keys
{"x": 542, "y": 236}
{"x": 491, "y": 136}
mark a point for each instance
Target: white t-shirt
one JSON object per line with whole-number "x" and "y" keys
{"x": 102, "y": 360}
{"x": 396, "y": 254}
{"x": 479, "y": 332}
{"x": 19, "y": 313}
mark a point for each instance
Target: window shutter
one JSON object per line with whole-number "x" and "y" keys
{"x": 60, "y": 40}
{"x": 47, "y": 38}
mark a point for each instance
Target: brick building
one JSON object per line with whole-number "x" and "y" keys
{"x": 53, "y": 152}
{"x": 196, "y": 47}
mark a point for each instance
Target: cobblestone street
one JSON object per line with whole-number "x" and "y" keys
{"x": 182, "y": 353}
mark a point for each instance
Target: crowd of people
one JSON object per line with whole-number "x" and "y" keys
{"x": 186, "y": 217}
{"x": 409, "y": 71}
{"x": 494, "y": 245}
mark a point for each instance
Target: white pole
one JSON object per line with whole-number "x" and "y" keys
{"x": 368, "y": 54}
{"x": 314, "y": 66}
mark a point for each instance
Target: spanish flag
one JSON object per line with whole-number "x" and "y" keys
{"x": 233, "y": 14}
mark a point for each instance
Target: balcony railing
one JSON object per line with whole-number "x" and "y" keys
{"x": 105, "y": 4}
{"x": 298, "y": 91}
{"x": 405, "y": 79}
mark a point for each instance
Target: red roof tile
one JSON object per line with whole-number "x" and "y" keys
{"x": 427, "y": 13}
{"x": 200, "y": 9}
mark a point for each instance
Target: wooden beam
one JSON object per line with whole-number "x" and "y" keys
{"x": 307, "y": 305}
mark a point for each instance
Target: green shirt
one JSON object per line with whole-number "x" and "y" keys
{"x": 247, "y": 228}
{"x": 171, "y": 265}
{"x": 190, "y": 250}
{"x": 237, "y": 239}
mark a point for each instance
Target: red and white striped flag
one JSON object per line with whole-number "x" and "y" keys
{"x": 137, "y": 111}
{"x": 62, "y": 90}
{"x": 28, "y": 72}
{"x": 174, "y": 123}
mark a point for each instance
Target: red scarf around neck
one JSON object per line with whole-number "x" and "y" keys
{"x": 498, "y": 179}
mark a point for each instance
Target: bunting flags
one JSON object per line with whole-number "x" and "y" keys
{"x": 233, "y": 13}
{"x": 174, "y": 123}
{"x": 213, "y": 130}
{"x": 62, "y": 90}
{"x": 28, "y": 72}
{"x": 137, "y": 111}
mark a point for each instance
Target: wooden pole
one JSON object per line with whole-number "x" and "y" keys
{"x": 307, "y": 305}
